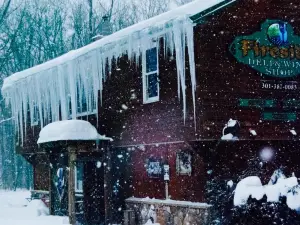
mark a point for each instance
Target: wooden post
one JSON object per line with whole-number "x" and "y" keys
{"x": 51, "y": 197}
{"x": 167, "y": 190}
{"x": 107, "y": 185}
{"x": 71, "y": 184}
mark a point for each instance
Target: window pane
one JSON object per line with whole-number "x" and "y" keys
{"x": 151, "y": 60}
{"x": 152, "y": 87}
{"x": 79, "y": 176}
{"x": 35, "y": 116}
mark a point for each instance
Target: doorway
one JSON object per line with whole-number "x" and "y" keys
{"x": 90, "y": 183}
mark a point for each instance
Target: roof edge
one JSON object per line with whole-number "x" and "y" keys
{"x": 197, "y": 17}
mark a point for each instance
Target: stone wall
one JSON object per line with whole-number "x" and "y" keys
{"x": 167, "y": 212}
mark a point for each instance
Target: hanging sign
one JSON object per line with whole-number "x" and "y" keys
{"x": 60, "y": 184}
{"x": 273, "y": 51}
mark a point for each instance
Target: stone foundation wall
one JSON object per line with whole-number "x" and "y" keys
{"x": 167, "y": 212}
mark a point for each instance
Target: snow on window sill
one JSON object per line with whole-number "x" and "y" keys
{"x": 84, "y": 114}
{"x": 33, "y": 124}
{"x": 151, "y": 100}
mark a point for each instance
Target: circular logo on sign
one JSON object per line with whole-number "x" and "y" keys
{"x": 277, "y": 34}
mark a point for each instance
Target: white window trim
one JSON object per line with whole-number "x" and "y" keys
{"x": 156, "y": 98}
{"x": 76, "y": 187}
{"x": 35, "y": 123}
{"x": 88, "y": 113}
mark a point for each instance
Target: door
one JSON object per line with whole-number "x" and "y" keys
{"x": 93, "y": 185}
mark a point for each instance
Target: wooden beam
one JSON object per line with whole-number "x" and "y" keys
{"x": 51, "y": 196}
{"x": 108, "y": 186}
{"x": 71, "y": 184}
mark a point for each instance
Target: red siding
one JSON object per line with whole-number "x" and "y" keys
{"x": 189, "y": 188}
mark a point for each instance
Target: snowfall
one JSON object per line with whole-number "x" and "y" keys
{"x": 15, "y": 209}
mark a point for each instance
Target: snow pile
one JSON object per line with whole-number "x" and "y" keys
{"x": 38, "y": 208}
{"x": 72, "y": 80}
{"x": 13, "y": 210}
{"x": 284, "y": 187}
{"x": 69, "y": 130}
{"x": 149, "y": 222}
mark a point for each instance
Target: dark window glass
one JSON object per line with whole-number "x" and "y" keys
{"x": 152, "y": 87}
{"x": 151, "y": 60}
{"x": 35, "y": 114}
{"x": 79, "y": 176}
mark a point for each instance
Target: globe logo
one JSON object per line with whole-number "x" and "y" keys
{"x": 277, "y": 34}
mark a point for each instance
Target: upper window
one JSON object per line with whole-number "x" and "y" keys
{"x": 150, "y": 76}
{"x": 85, "y": 106}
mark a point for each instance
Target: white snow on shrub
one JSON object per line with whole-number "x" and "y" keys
{"x": 230, "y": 183}
{"x": 276, "y": 175}
{"x": 69, "y": 130}
{"x": 293, "y": 198}
{"x": 252, "y": 187}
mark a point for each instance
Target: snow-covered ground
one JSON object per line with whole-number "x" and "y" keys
{"x": 16, "y": 210}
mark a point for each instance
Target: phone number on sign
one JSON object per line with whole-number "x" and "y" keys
{"x": 279, "y": 86}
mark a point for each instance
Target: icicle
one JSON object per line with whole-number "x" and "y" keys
{"x": 25, "y": 108}
{"x": 72, "y": 86}
{"x": 180, "y": 48}
{"x": 190, "y": 43}
{"x": 62, "y": 93}
{"x": 80, "y": 76}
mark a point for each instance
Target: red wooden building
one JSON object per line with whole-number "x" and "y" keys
{"x": 165, "y": 90}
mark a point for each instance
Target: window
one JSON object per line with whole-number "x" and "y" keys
{"x": 79, "y": 177}
{"x": 85, "y": 106}
{"x": 150, "y": 76}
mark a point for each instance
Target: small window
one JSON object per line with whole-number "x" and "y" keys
{"x": 79, "y": 177}
{"x": 150, "y": 76}
{"x": 84, "y": 107}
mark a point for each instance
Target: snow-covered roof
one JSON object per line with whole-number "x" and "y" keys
{"x": 82, "y": 72}
{"x": 190, "y": 9}
{"x": 69, "y": 130}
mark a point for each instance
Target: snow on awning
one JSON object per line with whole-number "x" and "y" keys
{"x": 81, "y": 72}
{"x": 70, "y": 130}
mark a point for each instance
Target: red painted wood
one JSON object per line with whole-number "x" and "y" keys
{"x": 181, "y": 187}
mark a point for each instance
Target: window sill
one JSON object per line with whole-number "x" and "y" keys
{"x": 34, "y": 124}
{"x": 151, "y": 100}
{"x": 84, "y": 114}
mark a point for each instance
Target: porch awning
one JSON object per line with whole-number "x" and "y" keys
{"x": 70, "y": 130}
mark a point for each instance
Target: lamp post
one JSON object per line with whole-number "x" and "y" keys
{"x": 167, "y": 179}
